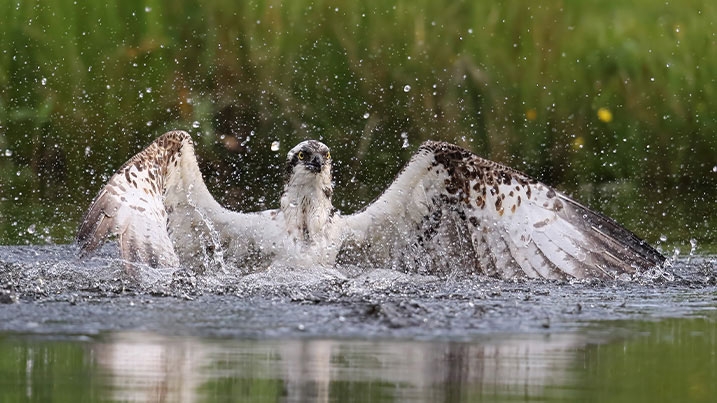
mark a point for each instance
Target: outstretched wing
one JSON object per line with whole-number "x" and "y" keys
{"x": 450, "y": 205}
{"x": 159, "y": 208}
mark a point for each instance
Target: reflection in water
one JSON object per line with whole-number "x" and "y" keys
{"x": 146, "y": 367}
{"x": 142, "y": 367}
{"x": 667, "y": 360}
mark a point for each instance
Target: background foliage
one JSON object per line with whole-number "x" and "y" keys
{"x": 608, "y": 100}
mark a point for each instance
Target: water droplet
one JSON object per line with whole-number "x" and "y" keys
{"x": 406, "y": 88}
{"x": 693, "y": 246}
{"x": 43, "y": 81}
{"x": 275, "y": 146}
{"x": 147, "y": 9}
{"x": 88, "y": 151}
{"x": 8, "y": 153}
{"x": 663, "y": 237}
{"x": 31, "y": 229}
{"x": 195, "y": 124}
{"x": 714, "y": 168}
{"x": 404, "y": 136}
{"x": 366, "y": 115}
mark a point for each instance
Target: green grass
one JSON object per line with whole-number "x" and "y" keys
{"x": 83, "y": 87}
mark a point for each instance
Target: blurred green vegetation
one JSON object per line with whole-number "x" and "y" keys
{"x": 83, "y": 86}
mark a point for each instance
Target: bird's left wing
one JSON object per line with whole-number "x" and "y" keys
{"x": 453, "y": 206}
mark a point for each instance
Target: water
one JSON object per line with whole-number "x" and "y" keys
{"x": 82, "y": 331}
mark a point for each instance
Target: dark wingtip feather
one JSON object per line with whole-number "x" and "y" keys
{"x": 623, "y": 243}
{"x": 95, "y": 227}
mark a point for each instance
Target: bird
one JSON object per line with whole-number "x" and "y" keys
{"x": 447, "y": 210}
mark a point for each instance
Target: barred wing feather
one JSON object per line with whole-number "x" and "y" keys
{"x": 159, "y": 208}
{"x": 509, "y": 223}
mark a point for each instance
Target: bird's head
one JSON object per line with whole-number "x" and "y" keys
{"x": 306, "y": 201}
{"x": 309, "y": 161}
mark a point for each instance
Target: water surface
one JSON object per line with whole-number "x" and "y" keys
{"x": 82, "y": 331}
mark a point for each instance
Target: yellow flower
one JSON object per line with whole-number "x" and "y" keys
{"x": 604, "y": 115}
{"x": 531, "y": 114}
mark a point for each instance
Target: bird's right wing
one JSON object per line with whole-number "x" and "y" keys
{"x": 159, "y": 208}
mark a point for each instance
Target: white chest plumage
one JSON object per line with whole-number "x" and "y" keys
{"x": 306, "y": 205}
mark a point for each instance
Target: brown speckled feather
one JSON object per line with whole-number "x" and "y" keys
{"x": 452, "y": 204}
{"x": 131, "y": 205}
{"x": 159, "y": 209}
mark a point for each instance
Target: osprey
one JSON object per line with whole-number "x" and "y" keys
{"x": 448, "y": 209}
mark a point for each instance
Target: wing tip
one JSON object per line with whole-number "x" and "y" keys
{"x": 180, "y": 135}
{"x": 618, "y": 240}
{"x": 95, "y": 227}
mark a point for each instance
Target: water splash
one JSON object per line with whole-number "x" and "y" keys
{"x": 663, "y": 272}
{"x": 217, "y": 251}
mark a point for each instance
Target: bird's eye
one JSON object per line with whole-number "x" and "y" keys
{"x": 328, "y": 155}
{"x": 301, "y": 155}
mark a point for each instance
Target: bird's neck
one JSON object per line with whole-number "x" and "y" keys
{"x": 306, "y": 205}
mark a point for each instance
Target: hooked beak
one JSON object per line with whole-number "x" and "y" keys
{"x": 315, "y": 164}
